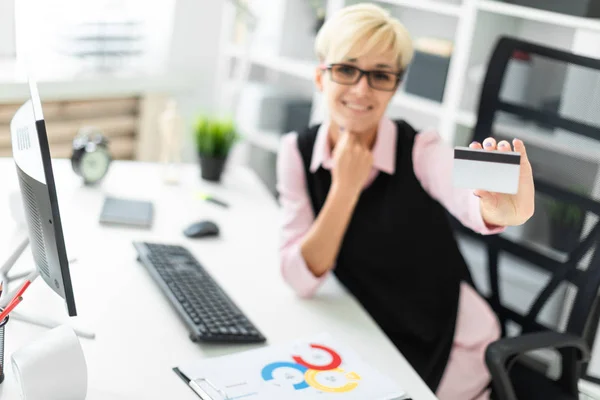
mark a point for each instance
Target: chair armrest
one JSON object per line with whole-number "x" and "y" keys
{"x": 500, "y": 353}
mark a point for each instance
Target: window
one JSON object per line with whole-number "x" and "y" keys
{"x": 72, "y": 36}
{"x": 7, "y": 29}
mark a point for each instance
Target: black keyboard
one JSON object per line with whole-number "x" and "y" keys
{"x": 205, "y": 308}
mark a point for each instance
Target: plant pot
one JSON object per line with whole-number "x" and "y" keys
{"x": 564, "y": 237}
{"x": 211, "y": 167}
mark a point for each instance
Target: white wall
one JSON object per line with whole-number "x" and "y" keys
{"x": 194, "y": 51}
{"x": 7, "y": 29}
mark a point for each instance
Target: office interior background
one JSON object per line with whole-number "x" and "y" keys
{"x": 115, "y": 64}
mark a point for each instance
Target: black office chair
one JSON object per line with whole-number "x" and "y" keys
{"x": 561, "y": 123}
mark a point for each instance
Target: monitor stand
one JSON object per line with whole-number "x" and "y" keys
{"x": 8, "y": 294}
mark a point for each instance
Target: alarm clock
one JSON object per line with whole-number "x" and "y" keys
{"x": 91, "y": 157}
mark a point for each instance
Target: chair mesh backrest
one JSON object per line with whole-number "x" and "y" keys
{"x": 550, "y": 99}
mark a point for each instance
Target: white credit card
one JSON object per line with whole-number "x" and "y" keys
{"x": 494, "y": 171}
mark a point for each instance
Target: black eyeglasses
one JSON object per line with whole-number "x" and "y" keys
{"x": 345, "y": 74}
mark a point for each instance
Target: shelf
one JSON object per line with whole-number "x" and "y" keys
{"x": 267, "y": 140}
{"x": 466, "y": 119}
{"x": 434, "y": 6}
{"x": 298, "y": 68}
{"x": 416, "y": 103}
{"x": 532, "y": 134}
{"x": 534, "y": 14}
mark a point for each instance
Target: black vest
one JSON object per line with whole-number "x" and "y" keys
{"x": 399, "y": 257}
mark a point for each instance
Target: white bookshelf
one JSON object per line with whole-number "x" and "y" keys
{"x": 434, "y": 6}
{"x": 286, "y": 65}
{"x": 472, "y": 25}
{"x": 418, "y": 104}
{"x": 532, "y": 14}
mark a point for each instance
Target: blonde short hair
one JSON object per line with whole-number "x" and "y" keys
{"x": 361, "y": 29}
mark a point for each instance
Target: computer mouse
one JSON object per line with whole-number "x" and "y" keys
{"x": 201, "y": 229}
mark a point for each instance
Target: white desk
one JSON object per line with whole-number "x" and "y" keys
{"x": 139, "y": 337}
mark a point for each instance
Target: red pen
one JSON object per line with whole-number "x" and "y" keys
{"x": 19, "y": 293}
{"x": 22, "y": 290}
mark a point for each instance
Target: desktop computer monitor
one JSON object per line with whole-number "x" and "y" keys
{"x": 31, "y": 154}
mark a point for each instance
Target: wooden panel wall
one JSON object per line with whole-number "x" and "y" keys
{"x": 117, "y": 118}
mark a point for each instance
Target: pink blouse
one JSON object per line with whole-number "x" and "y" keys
{"x": 466, "y": 375}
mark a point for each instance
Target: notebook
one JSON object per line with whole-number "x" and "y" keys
{"x": 309, "y": 368}
{"x": 127, "y": 212}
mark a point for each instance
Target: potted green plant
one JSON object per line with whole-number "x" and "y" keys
{"x": 566, "y": 224}
{"x": 214, "y": 139}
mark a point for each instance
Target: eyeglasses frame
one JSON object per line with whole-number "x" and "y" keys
{"x": 399, "y": 76}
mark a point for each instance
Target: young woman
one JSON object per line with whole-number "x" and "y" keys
{"x": 365, "y": 198}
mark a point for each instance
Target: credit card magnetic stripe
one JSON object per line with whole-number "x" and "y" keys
{"x": 488, "y": 156}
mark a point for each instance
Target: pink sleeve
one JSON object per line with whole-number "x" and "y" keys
{"x": 297, "y": 218}
{"x": 432, "y": 163}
